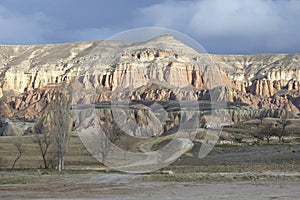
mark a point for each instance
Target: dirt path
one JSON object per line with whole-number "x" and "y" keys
{"x": 156, "y": 191}
{"x": 149, "y": 160}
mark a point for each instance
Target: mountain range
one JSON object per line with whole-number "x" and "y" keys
{"x": 161, "y": 69}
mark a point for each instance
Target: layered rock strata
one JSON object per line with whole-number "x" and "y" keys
{"x": 159, "y": 69}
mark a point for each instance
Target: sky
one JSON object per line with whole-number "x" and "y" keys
{"x": 220, "y": 26}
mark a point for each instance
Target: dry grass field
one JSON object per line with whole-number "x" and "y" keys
{"x": 255, "y": 170}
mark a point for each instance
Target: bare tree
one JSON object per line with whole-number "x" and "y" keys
{"x": 110, "y": 133}
{"x": 279, "y": 133}
{"x": 267, "y": 131}
{"x": 44, "y": 141}
{"x": 54, "y": 128}
{"x": 43, "y": 137}
{"x": 21, "y": 150}
{"x": 62, "y": 125}
{"x": 278, "y": 129}
{"x": 283, "y": 132}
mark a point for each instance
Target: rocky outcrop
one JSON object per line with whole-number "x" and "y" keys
{"x": 138, "y": 122}
{"x": 145, "y": 121}
{"x": 8, "y": 128}
{"x": 156, "y": 70}
{"x": 3, "y": 127}
{"x": 6, "y": 110}
{"x": 244, "y": 114}
{"x": 267, "y": 87}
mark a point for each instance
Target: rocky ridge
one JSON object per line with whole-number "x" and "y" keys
{"x": 156, "y": 70}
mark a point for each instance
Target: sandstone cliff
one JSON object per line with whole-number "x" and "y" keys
{"x": 28, "y": 75}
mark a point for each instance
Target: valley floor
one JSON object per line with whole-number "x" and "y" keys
{"x": 262, "y": 171}
{"x": 132, "y": 187}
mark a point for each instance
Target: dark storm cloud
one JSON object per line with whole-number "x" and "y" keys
{"x": 21, "y": 29}
{"x": 238, "y": 26}
{"x": 53, "y": 21}
{"x": 222, "y": 26}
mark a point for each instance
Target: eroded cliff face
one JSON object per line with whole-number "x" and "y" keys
{"x": 160, "y": 69}
{"x": 263, "y": 75}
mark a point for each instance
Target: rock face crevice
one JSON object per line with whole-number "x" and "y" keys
{"x": 159, "y": 69}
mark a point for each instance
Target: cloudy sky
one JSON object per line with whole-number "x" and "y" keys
{"x": 220, "y": 26}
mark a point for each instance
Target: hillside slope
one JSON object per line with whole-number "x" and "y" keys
{"x": 159, "y": 69}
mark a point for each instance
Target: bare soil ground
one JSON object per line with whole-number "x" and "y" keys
{"x": 133, "y": 187}
{"x": 240, "y": 171}
{"x": 228, "y": 172}
{"x": 243, "y": 158}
